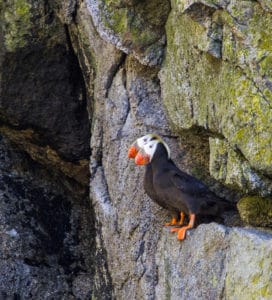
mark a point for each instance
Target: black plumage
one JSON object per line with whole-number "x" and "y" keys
{"x": 178, "y": 191}
{"x": 174, "y": 189}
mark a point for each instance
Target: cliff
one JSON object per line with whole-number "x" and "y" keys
{"x": 79, "y": 82}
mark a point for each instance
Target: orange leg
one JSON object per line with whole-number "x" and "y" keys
{"x": 172, "y": 222}
{"x": 182, "y": 230}
{"x": 182, "y": 216}
{"x": 180, "y": 222}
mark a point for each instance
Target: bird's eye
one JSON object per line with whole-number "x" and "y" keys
{"x": 150, "y": 146}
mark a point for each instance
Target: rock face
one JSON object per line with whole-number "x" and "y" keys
{"x": 217, "y": 71}
{"x": 225, "y": 255}
{"x": 79, "y": 82}
{"x": 46, "y": 222}
{"x": 46, "y": 227}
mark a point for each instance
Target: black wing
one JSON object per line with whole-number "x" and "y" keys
{"x": 187, "y": 183}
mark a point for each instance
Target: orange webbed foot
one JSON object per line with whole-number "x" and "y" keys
{"x": 172, "y": 222}
{"x": 179, "y": 223}
{"x": 182, "y": 231}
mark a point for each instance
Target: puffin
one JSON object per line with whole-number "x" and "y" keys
{"x": 180, "y": 193}
{"x": 148, "y": 176}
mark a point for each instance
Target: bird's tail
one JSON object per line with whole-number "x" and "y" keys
{"x": 213, "y": 205}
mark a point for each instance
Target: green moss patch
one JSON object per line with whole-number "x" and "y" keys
{"x": 17, "y": 23}
{"x": 256, "y": 211}
{"x": 231, "y": 96}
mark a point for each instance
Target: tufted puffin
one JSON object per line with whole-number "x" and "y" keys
{"x": 167, "y": 185}
{"x": 148, "y": 177}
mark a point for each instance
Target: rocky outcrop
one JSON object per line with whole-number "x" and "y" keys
{"x": 216, "y": 72}
{"x": 101, "y": 73}
{"x": 225, "y": 255}
{"x": 46, "y": 221}
{"x": 46, "y": 227}
{"x": 133, "y": 26}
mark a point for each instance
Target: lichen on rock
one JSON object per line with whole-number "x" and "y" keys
{"x": 136, "y": 29}
{"x": 16, "y": 16}
{"x": 230, "y": 167}
{"x": 228, "y": 97}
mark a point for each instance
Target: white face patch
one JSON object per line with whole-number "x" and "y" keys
{"x": 144, "y": 140}
{"x": 150, "y": 148}
{"x": 149, "y": 142}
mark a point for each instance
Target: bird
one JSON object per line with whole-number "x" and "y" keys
{"x": 148, "y": 177}
{"x": 171, "y": 188}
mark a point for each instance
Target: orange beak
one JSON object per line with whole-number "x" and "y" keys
{"x": 133, "y": 150}
{"x": 142, "y": 158}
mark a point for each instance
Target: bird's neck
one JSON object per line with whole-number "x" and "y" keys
{"x": 160, "y": 156}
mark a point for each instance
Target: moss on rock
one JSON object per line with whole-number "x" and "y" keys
{"x": 17, "y": 23}
{"x": 256, "y": 211}
{"x": 134, "y": 26}
{"x": 231, "y": 168}
{"x": 229, "y": 97}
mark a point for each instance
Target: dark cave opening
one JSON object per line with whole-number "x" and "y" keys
{"x": 46, "y": 218}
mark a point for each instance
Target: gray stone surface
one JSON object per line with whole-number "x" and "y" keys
{"x": 135, "y": 27}
{"x": 215, "y": 262}
{"x": 225, "y": 91}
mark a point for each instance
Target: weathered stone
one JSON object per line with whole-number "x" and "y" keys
{"x": 46, "y": 223}
{"x": 266, "y": 4}
{"x": 16, "y": 27}
{"x": 132, "y": 99}
{"x": 30, "y": 142}
{"x": 226, "y": 165}
{"x": 137, "y": 29}
{"x": 247, "y": 277}
{"x": 228, "y": 97}
{"x": 215, "y": 262}
{"x": 205, "y": 274}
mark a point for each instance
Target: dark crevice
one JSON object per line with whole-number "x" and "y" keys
{"x": 76, "y": 75}
{"x": 113, "y": 71}
{"x": 50, "y": 85}
{"x": 124, "y": 80}
{"x": 203, "y": 131}
{"x": 50, "y": 216}
{"x": 103, "y": 286}
{"x": 44, "y": 90}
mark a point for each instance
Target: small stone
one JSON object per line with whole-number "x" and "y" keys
{"x": 12, "y": 233}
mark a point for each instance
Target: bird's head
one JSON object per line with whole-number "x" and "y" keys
{"x": 147, "y": 152}
{"x": 140, "y": 143}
